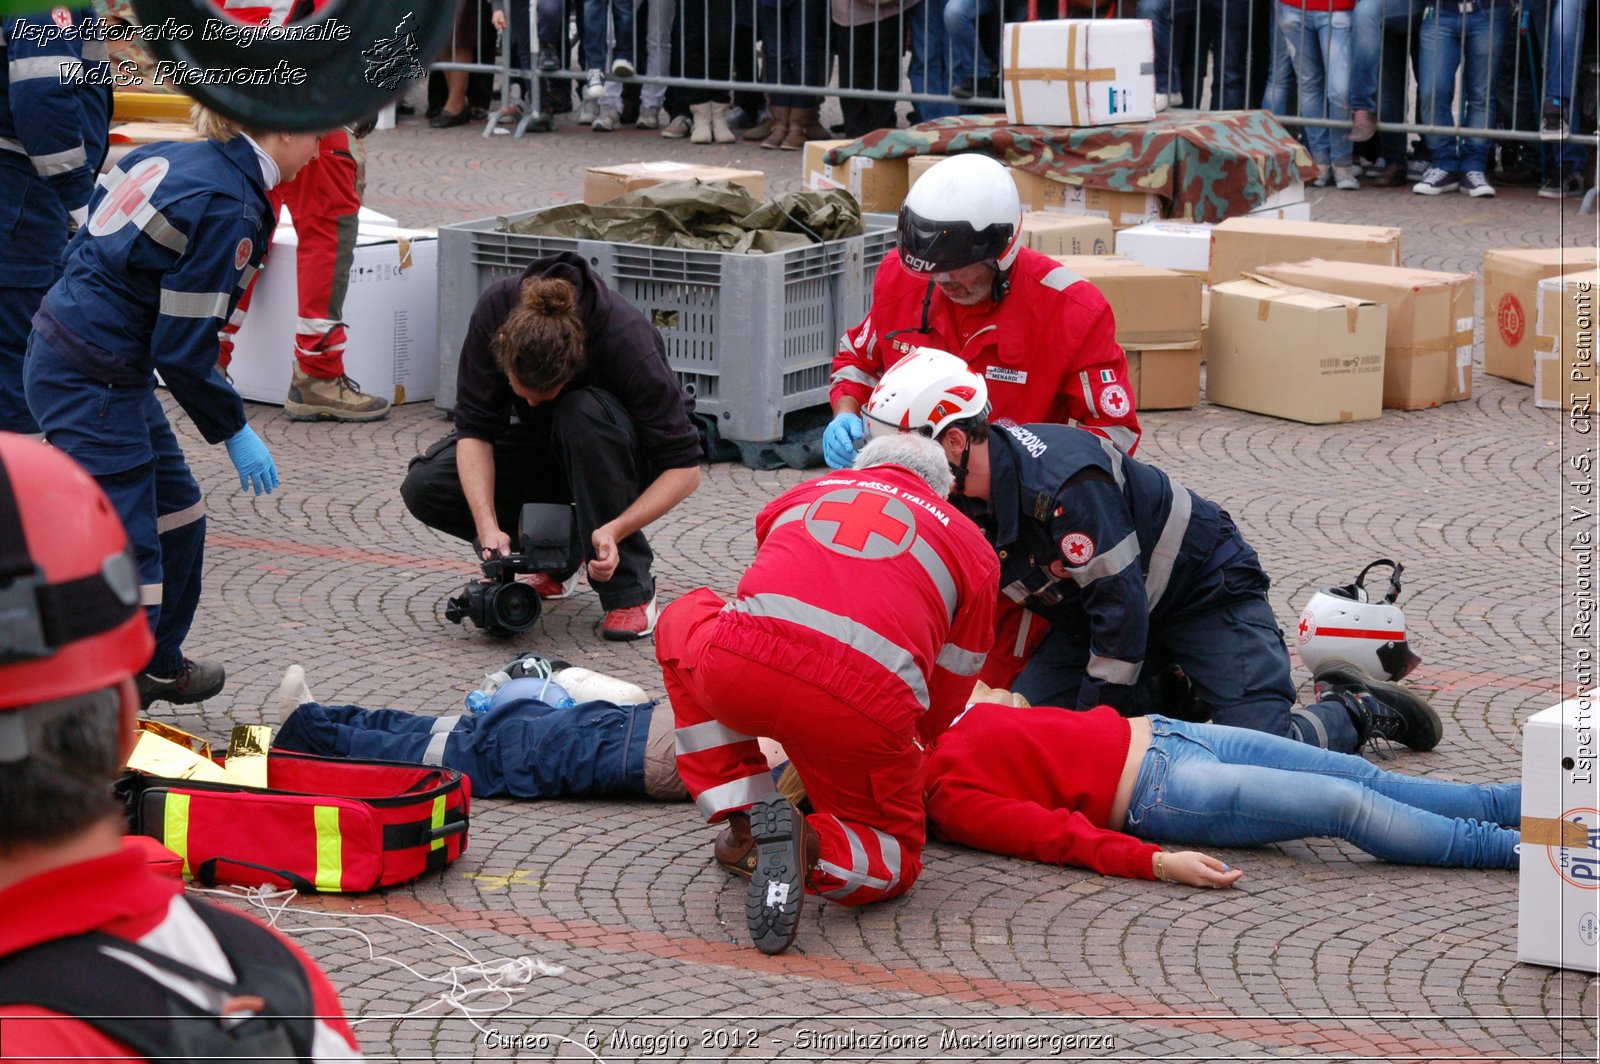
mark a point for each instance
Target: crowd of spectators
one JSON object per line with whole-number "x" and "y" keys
{"x": 1359, "y": 70}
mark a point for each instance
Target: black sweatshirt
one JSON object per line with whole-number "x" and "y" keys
{"x": 624, "y": 355}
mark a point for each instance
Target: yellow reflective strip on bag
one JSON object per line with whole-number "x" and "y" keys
{"x": 175, "y": 827}
{"x": 330, "y": 848}
{"x": 438, "y": 822}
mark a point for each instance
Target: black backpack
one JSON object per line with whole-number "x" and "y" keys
{"x": 76, "y": 976}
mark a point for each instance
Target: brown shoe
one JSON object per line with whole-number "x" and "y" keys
{"x": 1363, "y": 126}
{"x": 1390, "y": 176}
{"x": 335, "y": 399}
{"x": 761, "y": 130}
{"x": 735, "y": 849}
{"x": 780, "y": 128}
{"x": 803, "y": 126}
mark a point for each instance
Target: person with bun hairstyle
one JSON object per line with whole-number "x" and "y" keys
{"x": 563, "y": 394}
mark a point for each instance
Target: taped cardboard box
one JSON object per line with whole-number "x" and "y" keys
{"x": 1239, "y": 245}
{"x": 1153, "y": 307}
{"x": 1564, "y": 349}
{"x": 1078, "y": 72}
{"x": 1121, "y": 209}
{"x": 1428, "y": 348}
{"x": 1292, "y": 353}
{"x": 1288, "y": 212}
{"x": 602, "y": 184}
{"x": 918, "y": 165}
{"x": 1060, "y": 234}
{"x": 1558, "y": 879}
{"x": 1165, "y": 377}
{"x": 1182, "y": 246}
{"x": 877, "y": 184}
{"x": 1511, "y": 279}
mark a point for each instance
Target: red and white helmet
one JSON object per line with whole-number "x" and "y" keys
{"x": 1340, "y": 622}
{"x": 922, "y": 392}
{"x": 964, "y": 210}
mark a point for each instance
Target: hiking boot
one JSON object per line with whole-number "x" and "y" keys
{"x": 1363, "y": 126}
{"x": 1379, "y": 708}
{"x": 334, "y": 399}
{"x": 630, "y": 622}
{"x": 551, "y": 589}
{"x": 195, "y": 682}
{"x": 777, "y": 888}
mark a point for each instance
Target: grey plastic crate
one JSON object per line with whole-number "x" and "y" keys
{"x": 752, "y": 337}
{"x": 877, "y": 242}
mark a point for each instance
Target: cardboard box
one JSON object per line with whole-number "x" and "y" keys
{"x": 1239, "y": 245}
{"x": 1182, "y": 246}
{"x": 1061, "y": 234}
{"x": 1079, "y": 72}
{"x": 1558, "y": 880}
{"x": 602, "y": 184}
{"x": 1428, "y": 350}
{"x": 1121, "y": 209}
{"x": 1165, "y": 378}
{"x": 1511, "y": 279}
{"x": 918, "y": 165}
{"x": 390, "y": 313}
{"x": 877, "y": 184}
{"x": 1292, "y": 353}
{"x": 1287, "y": 196}
{"x": 1286, "y": 212}
{"x": 1153, "y": 307}
{"x": 1564, "y": 351}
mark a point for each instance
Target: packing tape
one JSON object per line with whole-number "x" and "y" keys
{"x": 1015, "y": 76}
{"x": 1550, "y": 831}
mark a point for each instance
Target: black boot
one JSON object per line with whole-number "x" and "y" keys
{"x": 1380, "y": 709}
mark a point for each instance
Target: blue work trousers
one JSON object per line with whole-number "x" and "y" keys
{"x": 1202, "y": 785}
{"x": 1383, "y": 32}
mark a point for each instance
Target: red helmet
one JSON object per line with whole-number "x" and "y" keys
{"x": 70, "y": 619}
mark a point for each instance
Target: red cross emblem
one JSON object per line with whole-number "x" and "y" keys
{"x": 1307, "y": 629}
{"x": 61, "y": 17}
{"x": 1077, "y": 548}
{"x": 133, "y": 193}
{"x": 241, "y": 254}
{"x": 865, "y": 523}
{"x": 1114, "y": 401}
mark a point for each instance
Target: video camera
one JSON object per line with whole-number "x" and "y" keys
{"x": 547, "y": 541}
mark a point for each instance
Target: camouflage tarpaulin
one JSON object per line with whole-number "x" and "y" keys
{"x": 1207, "y": 166}
{"x": 703, "y": 216}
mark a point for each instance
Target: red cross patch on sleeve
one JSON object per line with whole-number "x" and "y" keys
{"x": 1077, "y": 548}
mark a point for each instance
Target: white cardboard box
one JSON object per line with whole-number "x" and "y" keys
{"x": 1558, "y": 893}
{"x": 1184, "y": 246}
{"x": 389, "y": 313}
{"x": 1079, "y": 72}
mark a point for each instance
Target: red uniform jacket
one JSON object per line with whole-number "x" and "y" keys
{"x": 1036, "y": 783}
{"x": 875, "y": 587}
{"x": 1048, "y": 351}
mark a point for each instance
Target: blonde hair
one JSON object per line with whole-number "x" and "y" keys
{"x": 211, "y": 125}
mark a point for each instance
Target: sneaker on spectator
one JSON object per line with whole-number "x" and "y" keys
{"x": 595, "y": 87}
{"x": 1163, "y": 101}
{"x": 648, "y": 119}
{"x": 549, "y": 61}
{"x": 1387, "y": 176}
{"x": 588, "y": 112}
{"x": 631, "y": 622}
{"x": 963, "y": 90}
{"x": 1344, "y": 177}
{"x": 1324, "y": 176}
{"x": 1417, "y": 169}
{"x": 622, "y": 68}
{"x": 1563, "y": 184}
{"x": 1436, "y": 182}
{"x": 552, "y": 590}
{"x": 678, "y": 128}
{"x": 1363, "y": 126}
{"x": 1474, "y": 184}
{"x": 1552, "y": 120}
{"x": 606, "y": 122}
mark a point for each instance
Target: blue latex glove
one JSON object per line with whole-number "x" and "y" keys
{"x": 839, "y": 440}
{"x": 253, "y": 461}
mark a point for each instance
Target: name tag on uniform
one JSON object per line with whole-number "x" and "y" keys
{"x": 1006, "y": 376}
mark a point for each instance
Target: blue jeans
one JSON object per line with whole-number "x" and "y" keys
{"x": 929, "y": 68}
{"x": 595, "y": 24}
{"x": 1383, "y": 29}
{"x": 1280, "y": 74}
{"x": 1559, "y": 25}
{"x": 1232, "y": 17}
{"x": 1319, "y": 46}
{"x": 968, "y": 58}
{"x": 1449, "y": 40}
{"x": 1201, "y": 785}
{"x": 793, "y": 43}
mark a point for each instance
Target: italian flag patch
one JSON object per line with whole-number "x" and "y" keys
{"x": 1107, "y": 376}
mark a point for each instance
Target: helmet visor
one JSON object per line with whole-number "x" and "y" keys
{"x": 929, "y": 246}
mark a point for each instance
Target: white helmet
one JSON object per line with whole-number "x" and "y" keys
{"x": 922, "y": 391}
{"x": 962, "y": 211}
{"x": 1340, "y": 622}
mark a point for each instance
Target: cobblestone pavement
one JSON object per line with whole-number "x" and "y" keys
{"x": 1320, "y": 952}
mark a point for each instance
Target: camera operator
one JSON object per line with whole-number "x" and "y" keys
{"x": 600, "y": 422}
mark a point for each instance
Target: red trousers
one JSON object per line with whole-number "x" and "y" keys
{"x": 324, "y": 200}
{"x": 861, "y": 766}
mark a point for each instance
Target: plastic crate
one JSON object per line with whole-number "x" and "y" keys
{"x": 752, "y": 337}
{"x": 878, "y": 241}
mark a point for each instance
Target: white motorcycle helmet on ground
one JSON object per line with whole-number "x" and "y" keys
{"x": 1342, "y": 622}
{"x": 964, "y": 210}
{"x": 923, "y": 391}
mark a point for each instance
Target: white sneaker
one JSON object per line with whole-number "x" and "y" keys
{"x": 648, "y": 119}
{"x": 1344, "y": 177}
{"x": 588, "y": 111}
{"x": 608, "y": 121}
{"x": 1163, "y": 101}
{"x": 1474, "y": 184}
{"x": 596, "y": 86}
{"x": 622, "y": 68}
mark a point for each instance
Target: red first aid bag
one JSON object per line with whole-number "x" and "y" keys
{"x": 321, "y": 823}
